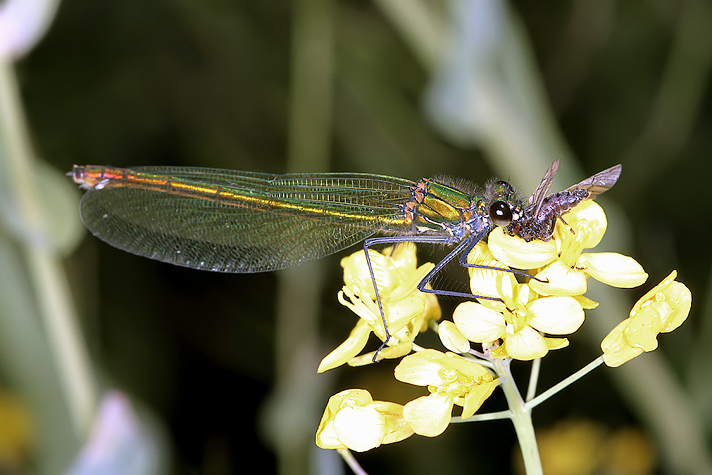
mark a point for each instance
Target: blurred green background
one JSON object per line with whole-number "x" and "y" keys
{"x": 411, "y": 89}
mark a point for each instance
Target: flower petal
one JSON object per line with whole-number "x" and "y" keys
{"x": 613, "y": 269}
{"x": 423, "y": 368}
{"x": 397, "y": 428}
{"x": 406, "y": 283}
{"x": 475, "y": 397}
{"x": 676, "y": 294}
{"x": 517, "y": 253}
{"x": 387, "y": 353}
{"x": 526, "y": 344}
{"x": 404, "y": 257}
{"x": 469, "y": 370}
{"x": 559, "y": 279}
{"x": 360, "y": 428}
{"x": 642, "y": 330}
{"x": 585, "y": 302}
{"x": 353, "y": 420}
{"x": 680, "y": 300}
{"x": 429, "y": 415}
{"x": 356, "y": 272}
{"x": 556, "y": 343}
{"x": 556, "y": 315}
{"x": 478, "y": 323}
{"x": 616, "y": 349}
{"x": 452, "y": 339}
{"x": 351, "y": 347}
{"x": 623, "y": 355}
{"x": 632, "y": 336}
{"x": 487, "y": 281}
{"x": 400, "y": 312}
{"x": 326, "y": 436}
{"x": 588, "y": 222}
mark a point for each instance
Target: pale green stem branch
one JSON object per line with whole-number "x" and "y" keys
{"x": 49, "y": 283}
{"x": 564, "y": 383}
{"x": 351, "y": 461}
{"x": 533, "y": 379}
{"x": 489, "y": 416}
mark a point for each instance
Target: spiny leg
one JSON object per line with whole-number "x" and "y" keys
{"x": 401, "y": 239}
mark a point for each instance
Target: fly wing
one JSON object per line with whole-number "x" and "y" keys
{"x": 599, "y": 182}
{"x": 543, "y": 189}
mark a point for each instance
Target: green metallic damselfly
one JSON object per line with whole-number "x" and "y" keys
{"x": 244, "y": 222}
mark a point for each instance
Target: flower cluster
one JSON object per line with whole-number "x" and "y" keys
{"x": 353, "y": 420}
{"x": 527, "y": 297}
{"x": 407, "y": 310}
{"x": 551, "y": 302}
{"x": 661, "y": 310}
{"x": 451, "y": 379}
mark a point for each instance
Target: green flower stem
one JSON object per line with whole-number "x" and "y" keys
{"x": 521, "y": 418}
{"x": 533, "y": 379}
{"x": 488, "y": 416}
{"x": 564, "y": 383}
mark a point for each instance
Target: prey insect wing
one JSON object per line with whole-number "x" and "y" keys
{"x": 537, "y": 197}
{"x": 598, "y": 183}
{"x": 540, "y": 217}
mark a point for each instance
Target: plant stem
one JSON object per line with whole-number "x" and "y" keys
{"x": 564, "y": 383}
{"x": 521, "y": 418}
{"x": 533, "y": 379}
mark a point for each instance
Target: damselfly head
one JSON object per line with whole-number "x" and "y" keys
{"x": 504, "y": 205}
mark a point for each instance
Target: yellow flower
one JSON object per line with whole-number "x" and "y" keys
{"x": 407, "y": 310}
{"x": 585, "y": 446}
{"x": 17, "y": 437}
{"x": 564, "y": 266}
{"x": 519, "y": 318}
{"x": 661, "y": 310}
{"x": 573, "y": 446}
{"x": 353, "y": 420}
{"x": 451, "y": 379}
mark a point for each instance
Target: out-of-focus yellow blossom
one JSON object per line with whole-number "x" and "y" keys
{"x": 564, "y": 267}
{"x": 17, "y": 435}
{"x": 451, "y": 379}
{"x": 407, "y": 310}
{"x": 353, "y": 420}
{"x": 589, "y": 447}
{"x": 661, "y": 310}
{"x": 573, "y": 446}
{"x": 519, "y": 318}
{"x": 628, "y": 450}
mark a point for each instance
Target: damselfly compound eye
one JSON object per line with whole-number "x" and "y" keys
{"x": 500, "y": 213}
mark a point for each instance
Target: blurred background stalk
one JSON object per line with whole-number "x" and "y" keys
{"x": 45, "y": 349}
{"x": 299, "y": 391}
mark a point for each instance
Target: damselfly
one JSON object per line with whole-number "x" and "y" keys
{"x": 244, "y": 222}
